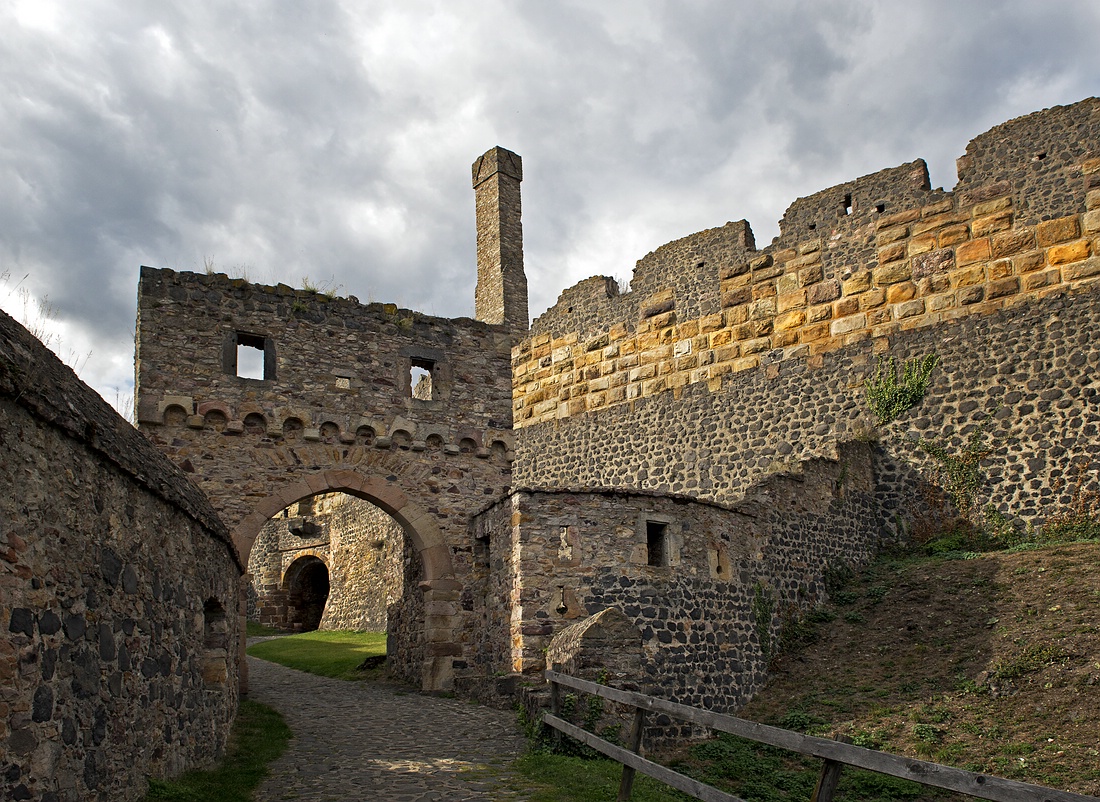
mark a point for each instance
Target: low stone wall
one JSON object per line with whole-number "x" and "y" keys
{"x": 707, "y": 586}
{"x": 119, "y": 589}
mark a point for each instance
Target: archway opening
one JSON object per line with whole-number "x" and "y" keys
{"x": 307, "y": 588}
{"x": 332, "y": 561}
{"x": 417, "y": 554}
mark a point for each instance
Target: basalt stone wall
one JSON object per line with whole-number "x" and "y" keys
{"x": 361, "y": 547}
{"x": 119, "y": 591}
{"x": 999, "y": 278}
{"x": 706, "y": 585}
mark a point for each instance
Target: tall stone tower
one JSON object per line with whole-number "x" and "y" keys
{"x": 501, "y": 295}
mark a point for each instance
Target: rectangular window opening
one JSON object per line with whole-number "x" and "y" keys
{"x": 251, "y": 357}
{"x": 420, "y": 379}
{"x": 656, "y": 538}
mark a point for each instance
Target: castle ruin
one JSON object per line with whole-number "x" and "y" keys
{"x": 694, "y": 454}
{"x": 689, "y": 451}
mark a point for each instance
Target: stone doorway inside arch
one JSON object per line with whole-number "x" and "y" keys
{"x": 333, "y": 562}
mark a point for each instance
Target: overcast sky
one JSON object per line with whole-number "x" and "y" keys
{"x": 333, "y": 140}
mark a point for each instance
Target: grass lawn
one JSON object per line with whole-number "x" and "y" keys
{"x": 259, "y": 736}
{"x": 328, "y": 654}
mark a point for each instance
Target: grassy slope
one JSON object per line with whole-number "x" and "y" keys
{"x": 990, "y": 664}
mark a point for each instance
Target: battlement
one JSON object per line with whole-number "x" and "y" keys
{"x": 863, "y": 260}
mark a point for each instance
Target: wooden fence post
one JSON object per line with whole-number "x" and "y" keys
{"x": 830, "y": 776}
{"x": 555, "y": 709}
{"x": 626, "y": 784}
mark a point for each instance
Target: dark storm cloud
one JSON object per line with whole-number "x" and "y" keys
{"x": 333, "y": 140}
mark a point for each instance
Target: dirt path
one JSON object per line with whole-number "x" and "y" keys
{"x": 360, "y": 741}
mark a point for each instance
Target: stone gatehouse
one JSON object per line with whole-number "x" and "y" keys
{"x": 695, "y": 452}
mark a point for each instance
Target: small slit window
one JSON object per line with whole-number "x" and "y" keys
{"x": 656, "y": 539}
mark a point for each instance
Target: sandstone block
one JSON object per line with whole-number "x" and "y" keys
{"x": 984, "y": 226}
{"x": 1080, "y": 270}
{"x": 897, "y": 218}
{"x": 973, "y": 251}
{"x": 1048, "y": 278}
{"x": 765, "y": 289}
{"x": 969, "y": 277}
{"x": 815, "y": 332}
{"x": 919, "y": 245}
{"x": 937, "y": 303}
{"x": 1052, "y": 232}
{"x": 891, "y": 235}
{"x": 991, "y": 206}
{"x": 755, "y": 346}
{"x": 900, "y": 292}
{"x": 742, "y": 295}
{"x": 790, "y": 320}
{"x": 845, "y": 306}
{"x": 1012, "y": 242}
{"x": 795, "y": 300}
{"x": 1069, "y": 252}
{"x": 892, "y": 274}
{"x": 953, "y": 235}
{"x": 818, "y": 313}
{"x": 877, "y": 317}
{"x": 846, "y": 325}
{"x": 1000, "y": 269}
{"x": 810, "y": 275}
{"x": 786, "y": 284}
{"x": 1028, "y": 262}
{"x": 1091, "y": 221}
{"x": 971, "y": 295}
{"x": 872, "y": 299}
{"x": 1092, "y": 199}
{"x": 891, "y": 253}
{"x": 857, "y": 283}
{"x": 1003, "y": 287}
{"x": 782, "y": 339}
{"x": 939, "y": 207}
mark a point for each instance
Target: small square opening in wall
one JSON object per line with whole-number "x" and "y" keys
{"x": 420, "y": 379}
{"x": 656, "y": 539}
{"x": 250, "y": 356}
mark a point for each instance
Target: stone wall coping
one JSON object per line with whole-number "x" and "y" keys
{"x": 36, "y": 380}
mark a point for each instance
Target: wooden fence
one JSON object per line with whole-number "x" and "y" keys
{"x": 835, "y": 754}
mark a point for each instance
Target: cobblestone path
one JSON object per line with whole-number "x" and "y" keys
{"x": 355, "y": 742}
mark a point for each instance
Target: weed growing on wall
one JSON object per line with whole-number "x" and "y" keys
{"x": 763, "y": 606}
{"x": 959, "y": 472}
{"x": 890, "y": 393}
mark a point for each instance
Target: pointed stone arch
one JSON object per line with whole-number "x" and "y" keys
{"x": 439, "y": 586}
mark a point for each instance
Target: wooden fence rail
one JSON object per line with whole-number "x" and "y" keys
{"x": 835, "y": 754}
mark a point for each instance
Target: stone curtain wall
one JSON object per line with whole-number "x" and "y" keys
{"x": 118, "y": 596}
{"x": 335, "y": 409}
{"x": 998, "y": 278}
{"x": 578, "y": 553}
{"x": 362, "y": 547}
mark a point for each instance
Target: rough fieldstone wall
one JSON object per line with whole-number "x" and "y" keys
{"x": 578, "y": 553}
{"x": 119, "y": 593}
{"x": 336, "y": 407}
{"x": 361, "y": 546}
